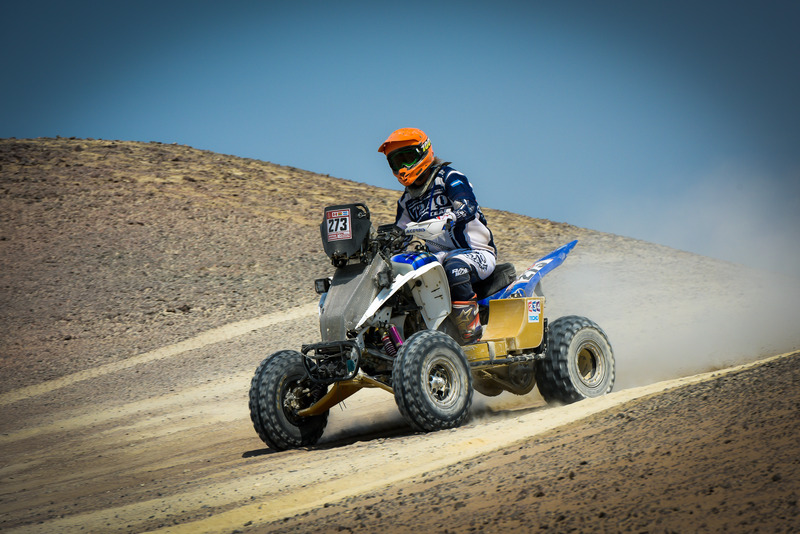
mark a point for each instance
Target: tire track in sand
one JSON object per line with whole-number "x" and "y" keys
{"x": 274, "y": 487}
{"x": 222, "y": 333}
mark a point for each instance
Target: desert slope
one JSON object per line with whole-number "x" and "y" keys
{"x": 141, "y": 284}
{"x": 108, "y": 248}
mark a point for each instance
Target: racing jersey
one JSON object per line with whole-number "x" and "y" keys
{"x": 449, "y": 191}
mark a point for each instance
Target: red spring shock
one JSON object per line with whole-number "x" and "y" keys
{"x": 388, "y": 346}
{"x": 395, "y": 335}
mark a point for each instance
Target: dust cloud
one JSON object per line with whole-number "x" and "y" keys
{"x": 732, "y": 213}
{"x": 667, "y": 314}
{"x": 670, "y": 314}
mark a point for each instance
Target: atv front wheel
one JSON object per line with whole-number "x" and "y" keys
{"x": 578, "y": 363}
{"x": 279, "y": 389}
{"x": 432, "y": 381}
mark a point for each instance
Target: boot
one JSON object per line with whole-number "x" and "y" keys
{"x": 465, "y": 317}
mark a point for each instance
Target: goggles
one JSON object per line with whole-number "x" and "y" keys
{"x": 408, "y": 156}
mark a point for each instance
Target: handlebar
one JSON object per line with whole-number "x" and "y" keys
{"x": 390, "y": 239}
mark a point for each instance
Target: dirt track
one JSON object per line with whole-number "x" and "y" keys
{"x": 139, "y": 289}
{"x": 716, "y": 452}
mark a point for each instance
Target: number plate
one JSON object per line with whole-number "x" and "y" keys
{"x": 338, "y": 222}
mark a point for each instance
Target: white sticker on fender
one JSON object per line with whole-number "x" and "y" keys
{"x": 534, "y": 310}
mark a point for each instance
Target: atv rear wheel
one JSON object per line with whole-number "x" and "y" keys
{"x": 578, "y": 363}
{"x": 279, "y": 389}
{"x": 432, "y": 381}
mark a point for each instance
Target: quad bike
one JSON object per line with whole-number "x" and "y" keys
{"x": 385, "y": 323}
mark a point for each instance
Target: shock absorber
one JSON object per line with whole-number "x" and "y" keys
{"x": 395, "y": 336}
{"x": 388, "y": 346}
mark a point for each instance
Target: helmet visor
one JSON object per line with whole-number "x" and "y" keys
{"x": 407, "y": 157}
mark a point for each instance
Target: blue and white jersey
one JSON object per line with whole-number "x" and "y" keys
{"x": 450, "y": 191}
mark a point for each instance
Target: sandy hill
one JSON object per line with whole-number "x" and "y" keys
{"x": 110, "y": 247}
{"x": 141, "y": 284}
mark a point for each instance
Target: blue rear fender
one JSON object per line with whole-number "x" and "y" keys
{"x": 525, "y": 284}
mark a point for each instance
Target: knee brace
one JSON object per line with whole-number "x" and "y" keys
{"x": 459, "y": 277}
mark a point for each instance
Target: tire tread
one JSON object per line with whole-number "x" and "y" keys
{"x": 552, "y": 373}
{"x": 267, "y": 420}
{"x": 408, "y": 392}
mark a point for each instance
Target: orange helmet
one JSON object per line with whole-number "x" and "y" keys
{"x": 409, "y": 153}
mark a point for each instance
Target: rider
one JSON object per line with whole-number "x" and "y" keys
{"x": 437, "y": 196}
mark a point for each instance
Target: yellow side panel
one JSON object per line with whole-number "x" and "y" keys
{"x": 487, "y": 351}
{"x": 518, "y": 321}
{"x": 477, "y": 352}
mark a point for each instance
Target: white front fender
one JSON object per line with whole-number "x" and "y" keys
{"x": 431, "y": 293}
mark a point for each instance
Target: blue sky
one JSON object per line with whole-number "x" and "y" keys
{"x": 675, "y": 122}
